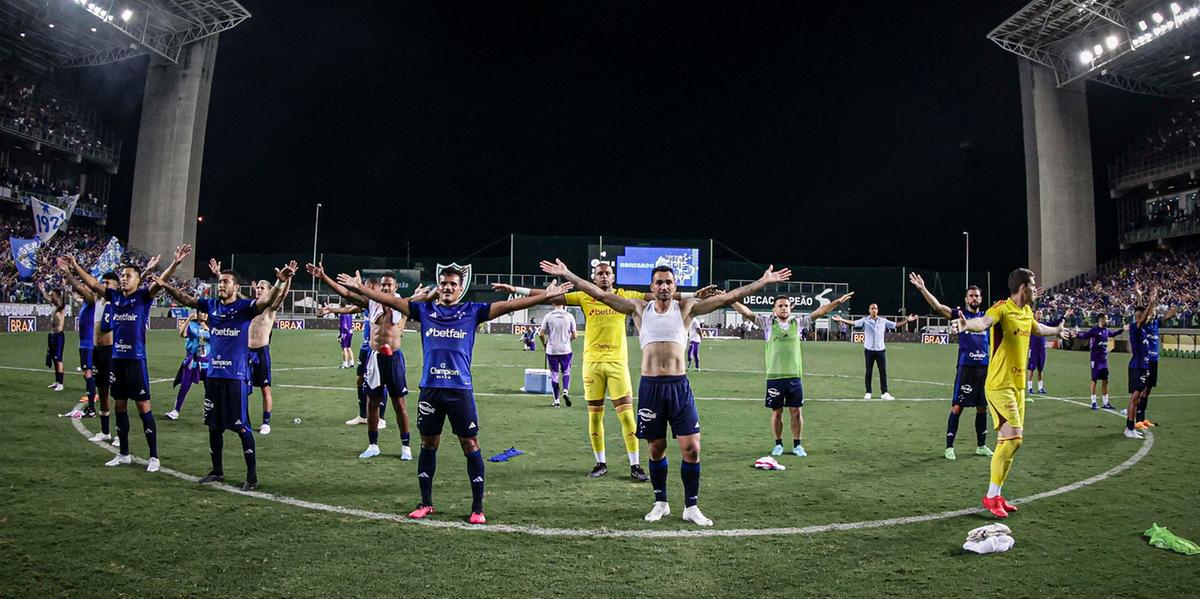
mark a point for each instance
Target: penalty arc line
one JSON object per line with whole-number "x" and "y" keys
{"x": 645, "y": 534}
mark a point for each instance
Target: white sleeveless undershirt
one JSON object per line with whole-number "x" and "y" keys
{"x": 662, "y": 327}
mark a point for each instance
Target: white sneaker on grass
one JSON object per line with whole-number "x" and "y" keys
{"x": 406, "y": 453}
{"x": 382, "y": 424}
{"x": 265, "y": 429}
{"x": 99, "y": 437}
{"x": 887, "y": 397}
{"x": 172, "y": 415}
{"x": 356, "y": 420}
{"x": 152, "y": 465}
{"x": 120, "y": 460}
{"x": 372, "y": 451}
{"x": 692, "y": 514}
{"x": 57, "y": 386}
{"x": 867, "y": 396}
{"x": 1133, "y": 434}
{"x": 660, "y": 509}
{"x": 116, "y": 441}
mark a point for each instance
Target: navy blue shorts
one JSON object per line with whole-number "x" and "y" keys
{"x": 391, "y": 376}
{"x": 666, "y": 399}
{"x": 783, "y": 393}
{"x": 436, "y": 404}
{"x": 85, "y": 359}
{"x": 102, "y": 357}
{"x": 363, "y": 354}
{"x": 968, "y": 386}
{"x": 225, "y": 404}
{"x": 1137, "y": 379}
{"x": 260, "y": 366}
{"x": 54, "y": 348}
{"x": 128, "y": 380}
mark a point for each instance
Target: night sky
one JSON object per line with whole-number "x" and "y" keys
{"x": 849, "y": 135}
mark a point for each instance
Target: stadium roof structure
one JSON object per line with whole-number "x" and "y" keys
{"x": 76, "y": 33}
{"x": 1143, "y": 46}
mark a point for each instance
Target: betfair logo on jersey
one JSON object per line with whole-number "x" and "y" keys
{"x": 125, "y": 317}
{"x": 1019, "y": 333}
{"x": 225, "y": 332}
{"x": 605, "y": 311}
{"x": 446, "y": 333}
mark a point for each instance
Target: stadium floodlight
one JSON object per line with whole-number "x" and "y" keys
{"x": 1175, "y": 8}
{"x": 1097, "y": 50}
{"x": 1142, "y": 25}
{"x": 1086, "y": 57}
{"x": 93, "y": 30}
{"x": 1112, "y": 42}
{"x": 1196, "y": 74}
{"x": 126, "y": 14}
{"x": 1157, "y": 17}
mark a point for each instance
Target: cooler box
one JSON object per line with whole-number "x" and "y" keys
{"x": 537, "y": 380}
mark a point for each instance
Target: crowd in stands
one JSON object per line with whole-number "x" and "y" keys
{"x": 1174, "y": 273}
{"x": 85, "y": 241}
{"x": 25, "y": 181}
{"x": 1178, "y": 132}
{"x": 25, "y": 106}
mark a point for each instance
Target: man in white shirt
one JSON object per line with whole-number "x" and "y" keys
{"x": 557, "y": 332}
{"x": 874, "y": 328}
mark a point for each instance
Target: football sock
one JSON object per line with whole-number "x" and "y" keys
{"x": 980, "y": 429}
{"x": 373, "y": 437}
{"x": 426, "y": 467}
{"x": 778, "y": 441}
{"x": 795, "y": 443}
{"x": 1002, "y": 459}
{"x": 123, "y": 431}
{"x": 690, "y": 473}
{"x": 596, "y": 431}
{"x": 151, "y": 433}
{"x": 566, "y": 381}
{"x": 1041, "y": 386}
{"x": 993, "y": 490}
{"x": 104, "y": 423}
{"x": 554, "y": 387}
{"x": 628, "y": 431}
{"x": 952, "y": 428}
{"x": 405, "y": 438}
{"x": 58, "y": 377}
{"x": 216, "y": 444}
{"x": 248, "y": 451}
{"x": 1106, "y": 400}
{"x": 658, "y": 478}
{"x": 1093, "y": 399}
{"x": 91, "y": 391}
{"x": 1129, "y": 422}
{"x": 266, "y": 417}
{"x": 1141, "y": 409}
{"x": 475, "y": 475}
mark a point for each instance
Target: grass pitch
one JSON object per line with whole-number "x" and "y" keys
{"x": 71, "y": 527}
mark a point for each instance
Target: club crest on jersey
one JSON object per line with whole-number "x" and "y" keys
{"x": 467, "y": 272}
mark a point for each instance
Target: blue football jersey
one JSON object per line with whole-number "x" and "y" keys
{"x": 87, "y": 325}
{"x": 1139, "y": 346}
{"x": 1152, "y": 338}
{"x": 972, "y": 345}
{"x": 130, "y": 318}
{"x": 229, "y": 338}
{"x": 447, "y": 341}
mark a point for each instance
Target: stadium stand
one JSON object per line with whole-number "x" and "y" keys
{"x": 1175, "y": 273}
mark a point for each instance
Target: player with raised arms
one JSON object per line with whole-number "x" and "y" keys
{"x": 874, "y": 349}
{"x": 448, "y": 328}
{"x": 970, "y": 374}
{"x": 260, "y": 347}
{"x": 1011, "y": 322}
{"x": 130, "y": 378}
{"x": 384, "y": 371}
{"x": 1098, "y": 337}
{"x": 606, "y": 364}
{"x": 1152, "y": 338}
{"x": 1139, "y": 363}
{"x": 664, "y": 395}
{"x": 230, "y": 319}
{"x": 95, "y": 343}
{"x": 364, "y": 353}
{"x": 785, "y": 363}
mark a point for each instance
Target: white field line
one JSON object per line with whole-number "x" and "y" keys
{"x": 649, "y": 534}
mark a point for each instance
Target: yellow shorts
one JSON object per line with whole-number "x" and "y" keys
{"x": 610, "y": 376}
{"x": 1006, "y": 405}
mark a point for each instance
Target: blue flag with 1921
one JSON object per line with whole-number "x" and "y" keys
{"x": 109, "y": 259}
{"x": 24, "y": 252}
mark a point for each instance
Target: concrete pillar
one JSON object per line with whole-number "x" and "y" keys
{"x": 1058, "y": 170}
{"x": 170, "y": 153}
